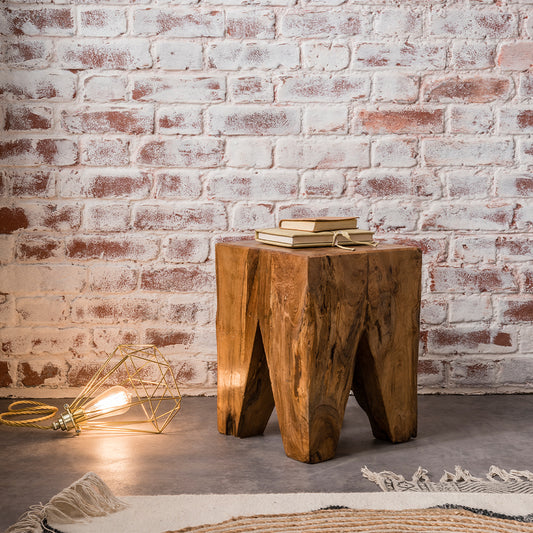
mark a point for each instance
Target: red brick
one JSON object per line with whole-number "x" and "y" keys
{"x": 433, "y": 311}
{"x": 175, "y": 216}
{"x": 473, "y": 248}
{"x": 258, "y": 24}
{"x": 106, "y": 184}
{"x": 473, "y": 24}
{"x": 315, "y": 88}
{"x": 12, "y": 219}
{"x": 176, "y": 89}
{"x": 185, "y": 120}
{"x": 112, "y": 248}
{"x": 54, "y": 216}
{"x": 386, "y": 184}
{"x": 183, "y": 152}
{"x": 33, "y": 378}
{"x": 469, "y": 339}
{"x": 515, "y": 310}
{"x": 236, "y": 55}
{"x": 188, "y": 312}
{"x": 473, "y": 55}
{"x": 123, "y": 54}
{"x": 5, "y": 377}
{"x": 516, "y": 120}
{"x": 471, "y": 279}
{"x": 106, "y": 152}
{"x": 109, "y": 120}
{"x": 177, "y": 278}
{"x": 112, "y": 310}
{"x": 168, "y": 22}
{"x": 473, "y": 89}
{"x": 169, "y": 337}
{"x": 189, "y": 372}
{"x": 398, "y": 55}
{"x": 253, "y": 120}
{"x": 247, "y": 216}
{"x": 434, "y": 248}
{"x": 41, "y": 21}
{"x": 526, "y": 85}
{"x": 323, "y": 24}
{"x": 37, "y": 84}
{"x": 106, "y": 339}
{"x": 323, "y": 183}
{"x": 430, "y": 373}
{"x": 38, "y": 248}
{"x": 113, "y": 278}
{"x": 31, "y": 152}
{"x": 515, "y": 248}
{"x": 28, "y": 118}
{"x": 463, "y": 152}
{"x": 474, "y": 216}
{"x": 107, "y": 217}
{"x": 29, "y": 53}
{"x": 182, "y": 249}
{"x": 516, "y": 56}
{"x": 469, "y": 374}
{"x": 249, "y": 89}
{"x": 469, "y": 119}
{"x": 102, "y": 22}
{"x": 418, "y": 120}
{"x": 179, "y": 184}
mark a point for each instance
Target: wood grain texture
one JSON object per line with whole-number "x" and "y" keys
{"x": 300, "y": 328}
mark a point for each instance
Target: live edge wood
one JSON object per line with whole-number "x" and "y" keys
{"x": 299, "y": 329}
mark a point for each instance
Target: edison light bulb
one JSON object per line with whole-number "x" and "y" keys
{"x": 113, "y": 402}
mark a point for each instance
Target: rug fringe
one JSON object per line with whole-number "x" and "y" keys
{"x": 512, "y": 475}
{"x": 87, "y": 497}
{"x": 460, "y": 474}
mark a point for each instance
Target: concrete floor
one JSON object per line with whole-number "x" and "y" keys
{"x": 192, "y": 457}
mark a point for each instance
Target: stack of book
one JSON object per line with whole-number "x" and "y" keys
{"x": 308, "y": 232}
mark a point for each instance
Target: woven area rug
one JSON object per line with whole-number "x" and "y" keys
{"x": 88, "y": 506}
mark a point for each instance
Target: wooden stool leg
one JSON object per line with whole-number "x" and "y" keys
{"x": 386, "y": 361}
{"x": 244, "y": 396}
{"x": 318, "y": 309}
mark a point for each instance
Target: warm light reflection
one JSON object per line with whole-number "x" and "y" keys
{"x": 115, "y": 401}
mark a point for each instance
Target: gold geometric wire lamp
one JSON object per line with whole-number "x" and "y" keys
{"x": 134, "y": 378}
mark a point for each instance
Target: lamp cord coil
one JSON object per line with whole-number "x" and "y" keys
{"x": 38, "y": 410}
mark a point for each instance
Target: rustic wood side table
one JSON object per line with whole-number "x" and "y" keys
{"x": 299, "y": 328}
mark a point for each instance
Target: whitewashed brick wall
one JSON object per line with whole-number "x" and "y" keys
{"x": 137, "y": 134}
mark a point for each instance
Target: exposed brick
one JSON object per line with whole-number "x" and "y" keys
{"x": 474, "y": 216}
{"x": 387, "y": 184}
{"x": 395, "y": 87}
{"x": 105, "y": 88}
{"x": 177, "y": 278}
{"x": 34, "y": 248}
{"x": 257, "y": 185}
{"x": 54, "y": 216}
{"x": 433, "y": 310}
{"x": 107, "y": 217}
{"x": 248, "y": 216}
{"x": 398, "y": 22}
{"x": 526, "y": 85}
{"x": 12, "y": 219}
{"x": 470, "y": 338}
{"x": 430, "y": 373}
{"x": 178, "y": 184}
{"x": 257, "y": 24}
{"x": 185, "y": 311}
{"x": 175, "y": 216}
{"x": 325, "y": 56}
{"x": 34, "y": 53}
{"x": 469, "y": 119}
{"x": 416, "y": 120}
{"x": 322, "y": 153}
{"x": 112, "y": 247}
{"x": 105, "y": 184}
{"x": 102, "y": 22}
{"x": 250, "y": 89}
{"x": 474, "y": 24}
{"x": 24, "y": 279}
{"x": 33, "y": 378}
{"x": 237, "y": 55}
{"x": 516, "y": 120}
{"x": 515, "y": 248}
{"x": 434, "y": 247}
{"x": 392, "y": 215}
{"x": 50, "y": 341}
{"x": 185, "y": 249}
{"x": 170, "y": 337}
{"x": 473, "y": 374}
{"x": 334, "y": 208}
{"x": 105, "y": 152}
{"x": 472, "y": 308}
{"x": 253, "y": 120}
{"x": 177, "y": 55}
{"x": 394, "y": 152}
{"x": 471, "y": 279}
{"x": 251, "y": 152}
{"x": 323, "y": 183}
{"x": 464, "y": 183}
{"x": 28, "y": 118}
{"x": 37, "y": 84}
{"x": 468, "y": 152}
{"x": 512, "y": 184}
{"x": 524, "y": 216}
{"x": 109, "y": 120}
{"x": 473, "y": 55}
{"x": 323, "y": 23}
{"x": 517, "y": 370}
{"x": 422, "y": 56}
{"x": 105, "y": 339}
{"x": 171, "y": 23}
{"x": 179, "y": 119}
{"x": 40, "y": 21}
{"x": 42, "y": 310}
{"x": 124, "y": 54}
{"x": 318, "y": 120}
{"x": 516, "y": 56}
{"x": 315, "y": 88}
{"x": 177, "y": 89}
{"x": 474, "y": 89}
{"x": 5, "y": 377}
{"x": 525, "y": 151}
{"x": 515, "y": 310}
{"x": 184, "y": 152}
{"x": 111, "y": 310}
{"x": 111, "y": 278}
{"x": 33, "y": 152}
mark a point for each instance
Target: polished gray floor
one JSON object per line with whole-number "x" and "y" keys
{"x": 192, "y": 457}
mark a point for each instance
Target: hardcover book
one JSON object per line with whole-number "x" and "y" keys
{"x": 304, "y": 239}
{"x": 319, "y": 223}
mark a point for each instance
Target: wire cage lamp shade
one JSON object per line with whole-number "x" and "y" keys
{"x": 136, "y": 379}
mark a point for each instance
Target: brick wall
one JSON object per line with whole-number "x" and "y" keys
{"x": 137, "y": 134}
